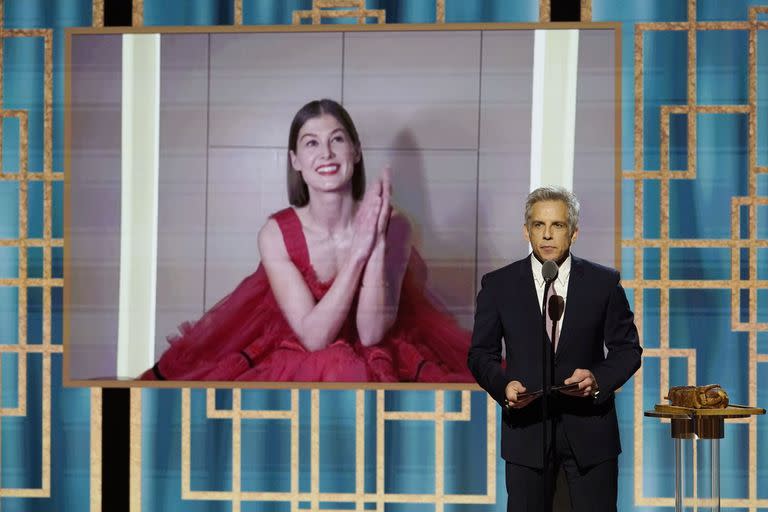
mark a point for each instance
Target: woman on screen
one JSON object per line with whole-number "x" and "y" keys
{"x": 337, "y": 296}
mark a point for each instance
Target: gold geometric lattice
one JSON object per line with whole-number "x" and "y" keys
{"x": 137, "y": 13}
{"x": 23, "y": 282}
{"x": 320, "y": 9}
{"x": 315, "y": 497}
{"x": 338, "y": 9}
{"x": 664, "y": 243}
{"x": 238, "y": 12}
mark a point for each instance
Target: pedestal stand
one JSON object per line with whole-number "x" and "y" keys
{"x": 707, "y": 425}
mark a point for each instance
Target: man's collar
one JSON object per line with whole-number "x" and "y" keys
{"x": 562, "y": 273}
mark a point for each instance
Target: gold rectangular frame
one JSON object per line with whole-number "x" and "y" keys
{"x": 297, "y": 28}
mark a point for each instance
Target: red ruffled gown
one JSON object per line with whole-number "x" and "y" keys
{"x": 245, "y": 336}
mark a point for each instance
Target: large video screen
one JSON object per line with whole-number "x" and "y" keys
{"x": 178, "y": 160}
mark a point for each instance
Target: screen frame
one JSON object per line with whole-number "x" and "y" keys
{"x": 305, "y": 28}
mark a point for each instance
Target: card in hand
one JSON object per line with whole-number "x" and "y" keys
{"x": 538, "y": 393}
{"x": 529, "y": 394}
{"x": 566, "y": 387}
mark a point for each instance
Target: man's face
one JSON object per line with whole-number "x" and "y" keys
{"x": 548, "y": 231}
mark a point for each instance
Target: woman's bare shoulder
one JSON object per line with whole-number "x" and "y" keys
{"x": 270, "y": 240}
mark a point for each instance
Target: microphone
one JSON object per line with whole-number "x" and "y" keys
{"x": 549, "y": 271}
{"x": 555, "y": 307}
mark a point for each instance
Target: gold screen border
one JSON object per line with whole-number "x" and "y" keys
{"x": 409, "y": 27}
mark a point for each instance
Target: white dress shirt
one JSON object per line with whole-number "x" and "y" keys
{"x": 560, "y": 283}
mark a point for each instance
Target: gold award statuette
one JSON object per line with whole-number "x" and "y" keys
{"x": 711, "y": 396}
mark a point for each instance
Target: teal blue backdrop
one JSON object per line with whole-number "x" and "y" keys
{"x": 698, "y": 319}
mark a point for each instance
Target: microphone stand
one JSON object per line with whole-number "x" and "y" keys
{"x": 555, "y": 312}
{"x": 546, "y": 387}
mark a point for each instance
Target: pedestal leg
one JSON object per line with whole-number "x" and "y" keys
{"x": 679, "y": 475}
{"x": 710, "y": 429}
{"x": 714, "y": 445}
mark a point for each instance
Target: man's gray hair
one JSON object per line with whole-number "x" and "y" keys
{"x": 554, "y": 194}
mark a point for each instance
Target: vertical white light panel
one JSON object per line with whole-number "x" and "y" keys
{"x": 553, "y": 119}
{"x": 139, "y": 203}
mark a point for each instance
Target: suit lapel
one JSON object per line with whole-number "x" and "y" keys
{"x": 574, "y": 301}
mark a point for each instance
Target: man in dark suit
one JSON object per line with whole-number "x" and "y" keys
{"x": 596, "y": 348}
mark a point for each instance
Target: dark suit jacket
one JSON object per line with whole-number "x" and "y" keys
{"x": 596, "y": 313}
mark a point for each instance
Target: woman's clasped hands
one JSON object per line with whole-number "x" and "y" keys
{"x": 372, "y": 218}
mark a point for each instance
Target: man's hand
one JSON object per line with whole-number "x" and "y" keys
{"x": 512, "y": 392}
{"x": 585, "y": 379}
